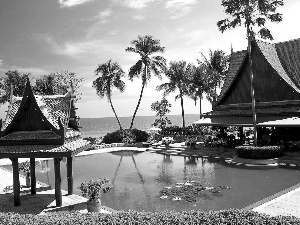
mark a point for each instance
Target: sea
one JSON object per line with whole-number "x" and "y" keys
{"x": 99, "y": 127}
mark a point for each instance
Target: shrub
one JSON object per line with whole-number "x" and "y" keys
{"x": 259, "y": 152}
{"x": 292, "y": 147}
{"x": 231, "y": 216}
{"x": 140, "y": 135}
{"x": 114, "y": 137}
{"x": 119, "y": 136}
{"x": 175, "y": 130}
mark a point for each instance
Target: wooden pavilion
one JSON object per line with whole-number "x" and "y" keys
{"x": 41, "y": 127}
{"x": 276, "y": 71}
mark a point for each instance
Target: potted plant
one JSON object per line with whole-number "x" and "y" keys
{"x": 25, "y": 167}
{"x": 167, "y": 141}
{"x": 92, "y": 190}
{"x": 191, "y": 141}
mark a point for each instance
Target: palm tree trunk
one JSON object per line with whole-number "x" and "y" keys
{"x": 115, "y": 113}
{"x": 200, "y": 103}
{"x": 148, "y": 196}
{"x": 253, "y": 102}
{"x": 115, "y": 175}
{"x": 138, "y": 105}
{"x": 182, "y": 110}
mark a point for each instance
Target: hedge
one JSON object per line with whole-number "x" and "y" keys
{"x": 231, "y": 216}
{"x": 259, "y": 152}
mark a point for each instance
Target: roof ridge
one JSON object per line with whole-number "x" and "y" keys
{"x": 282, "y": 42}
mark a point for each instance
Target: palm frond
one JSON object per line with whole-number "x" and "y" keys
{"x": 135, "y": 70}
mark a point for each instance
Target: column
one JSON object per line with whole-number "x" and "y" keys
{"x": 222, "y": 132}
{"x": 32, "y": 176}
{"x": 70, "y": 175}
{"x": 58, "y": 195}
{"x": 16, "y": 181}
{"x": 241, "y": 133}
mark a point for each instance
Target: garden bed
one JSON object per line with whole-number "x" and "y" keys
{"x": 232, "y": 216}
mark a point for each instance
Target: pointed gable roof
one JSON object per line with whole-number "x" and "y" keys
{"x": 36, "y": 118}
{"x": 289, "y": 55}
{"x": 237, "y": 59}
{"x": 283, "y": 57}
{"x": 37, "y": 126}
{"x": 52, "y": 107}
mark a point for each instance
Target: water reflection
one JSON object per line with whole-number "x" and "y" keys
{"x": 142, "y": 180}
{"x": 190, "y": 168}
{"x": 165, "y": 170}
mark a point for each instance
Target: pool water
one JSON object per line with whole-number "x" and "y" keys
{"x": 138, "y": 178}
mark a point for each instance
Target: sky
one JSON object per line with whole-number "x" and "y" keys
{"x": 46, "y": 36}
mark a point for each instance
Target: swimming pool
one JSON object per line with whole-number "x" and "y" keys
{"x": 139, "y": 177}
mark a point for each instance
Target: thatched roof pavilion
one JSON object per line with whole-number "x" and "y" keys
{"x": 276, "y": 71}
{"x": 276, "y": 82}
{"x": 41, "y": 127}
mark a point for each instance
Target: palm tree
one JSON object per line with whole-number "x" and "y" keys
{"x": 215, "y": 68}
{"x": 146, "y": 46}
{"x": 178, "y": 74}
{"x": 111, "y": 78}
{"x": 198, "y": 86}
{"x": 253, "y": 13}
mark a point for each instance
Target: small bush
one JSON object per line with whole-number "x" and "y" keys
{"x": 231, "y": 216}
{"x": 176, "y": 130}
{"x": 118, "y": 136}
{"x": 259, "y": 152}
{"x": 114, "y": 137}
{"x": 292, "y": 147}
{"x": 140, "y": 135}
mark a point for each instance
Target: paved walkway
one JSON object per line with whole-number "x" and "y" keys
{"x": 284, "y": 203}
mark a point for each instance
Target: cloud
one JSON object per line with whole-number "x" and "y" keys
{"x": 71, "y": 3}
{"x": 179, "y": 8}
{"x": 69, "y": 48}
{"x": 75, "y": 48}
{"x": 135, "y": 4}
{"x": 113, "y": 32}
{"x": 138, "y": 17}
{"x": 31, "y": 70}
{"x": 1, "y": 62}
{"x": 88, "y": 50}
{"x": 104, "y": 15}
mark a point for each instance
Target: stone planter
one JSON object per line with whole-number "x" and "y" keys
{"x": 192, "y": 146}
{"x": 255, "y": 161}
{"x": 93, "y": 206}
{"x": 167, "y": 145}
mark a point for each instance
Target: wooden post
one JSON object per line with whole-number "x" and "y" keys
{"x": 70, "y": 175}
{"x": 241, "y": 131}
{"x": 16, "y": 181}
{"x": 32, "y": 176}
{"x": 222, "y": 133}
{"x": 58, "y": 195}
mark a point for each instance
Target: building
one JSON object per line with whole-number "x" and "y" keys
{"x": 276, "y": 72}
{"x": 41, "y": 127}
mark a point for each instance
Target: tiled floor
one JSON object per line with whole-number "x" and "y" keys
{"x": 286, "y": 205}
